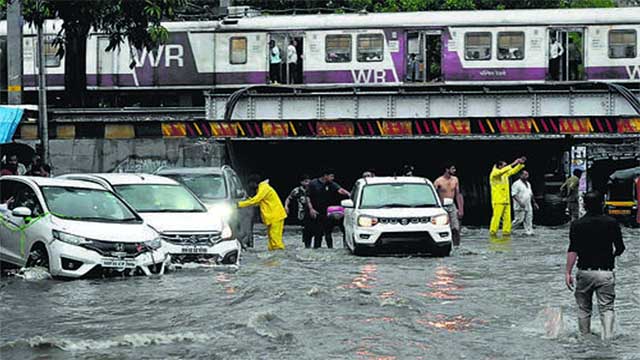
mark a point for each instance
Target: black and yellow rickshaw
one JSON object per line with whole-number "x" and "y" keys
{"x": 621, "y": 197}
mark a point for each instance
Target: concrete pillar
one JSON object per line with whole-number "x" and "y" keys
{"x": 14, "y": 52}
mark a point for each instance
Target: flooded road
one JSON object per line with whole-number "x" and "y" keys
{"x": 489, "y": 300}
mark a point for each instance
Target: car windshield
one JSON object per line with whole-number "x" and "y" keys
{"x": 86, "y": 204}
{"x": 159, "y": 198}
{"x": 206, "y": 187}
{"x": 400, "y": 195}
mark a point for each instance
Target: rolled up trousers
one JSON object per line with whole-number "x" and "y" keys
{"x": 501, "y": 212}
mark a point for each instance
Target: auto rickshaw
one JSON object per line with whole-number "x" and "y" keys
{"x": 621, "y": 199}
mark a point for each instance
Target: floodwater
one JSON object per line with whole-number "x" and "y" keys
{"x": 489, "y": 300}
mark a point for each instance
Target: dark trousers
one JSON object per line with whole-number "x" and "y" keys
{"x": 293, "y": 73}
{"x": 307, "y": 232}
{"x": 573, "y": 69}
{"x": 322, "y": 229}
{"x": 274, "y": 72}
{"x": 554, "y": 68}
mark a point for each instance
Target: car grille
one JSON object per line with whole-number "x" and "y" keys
{"x": 404, "y": 220}
{"x": 116, "y": 249}
{"x": 192, "y": 238}
{"x": 405, "y": 237}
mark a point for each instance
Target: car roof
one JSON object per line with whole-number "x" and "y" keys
{"x": 395, "y": 180}
{"x": 131, "y": 179}
{"x": 47, "y": 181}
{"x": 190, "y": 171}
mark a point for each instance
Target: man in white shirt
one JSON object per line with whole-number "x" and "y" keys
{"x": 292, "y": 61}
{"x": 523, "y": 202}
{"x": 555, "y": 56}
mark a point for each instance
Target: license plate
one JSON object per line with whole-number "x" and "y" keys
{"x": 194, "y": 250}
{"x": 619, "y": 212}
{"x": 119, "y": 264}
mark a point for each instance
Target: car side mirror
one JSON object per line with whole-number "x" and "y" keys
{"x": 240, "y": 193}
{"x": 21, "y": 211}
{"x": 348, "y": 203}
{"x": 447, "y": 201}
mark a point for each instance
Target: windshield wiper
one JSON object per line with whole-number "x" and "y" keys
{"x": 424, "y": 205}
{"x": 169, "y": 210}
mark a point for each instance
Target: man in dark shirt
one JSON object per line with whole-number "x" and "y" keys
{"x": 322, "y": 194}
{"x": 595, "y": 240}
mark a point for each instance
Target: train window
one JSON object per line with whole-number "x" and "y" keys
{"x": 51, "y": 58}
{"x": 477, "y": 46}
{"x": 337, "y": 48}
{"x": 238, "y": 50}
{"x": 370, "y": 47}
{"x": 622, "y": 44}
{"x": 510, "y": 45}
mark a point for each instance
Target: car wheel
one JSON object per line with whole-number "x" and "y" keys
{"x": 442, "y": 251}
{"x": 230, "y": 258}
{"x": 39, "y": 257}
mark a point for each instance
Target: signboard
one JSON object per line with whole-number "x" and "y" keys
{"x": 275, "y": 129}
{"x": 455, "y": 127}
{"x": 224, "y": 129}
{"x": 629, "y": 126}
{"x": 579, "y": 161}
{"x": 395, "y": 128}
{"x": 515, "y": 126}
{"x": 334, "y": 128}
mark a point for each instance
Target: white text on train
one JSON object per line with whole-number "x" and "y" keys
{"x": 170, "y": 52}
{"x": 367, "y": 76}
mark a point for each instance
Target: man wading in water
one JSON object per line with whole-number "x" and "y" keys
{"x": 592, "y": 241}
{"x": 448, "y": 187}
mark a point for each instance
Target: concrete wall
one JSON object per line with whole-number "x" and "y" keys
{"x": 131, "y": 155}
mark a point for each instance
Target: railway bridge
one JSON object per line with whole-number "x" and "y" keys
{"x": 284, "y": 131}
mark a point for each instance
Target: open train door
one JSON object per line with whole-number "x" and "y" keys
{"x": 290, "y": 46}
{"x": 566, "y": 54}
{"x": 424, "y": 56}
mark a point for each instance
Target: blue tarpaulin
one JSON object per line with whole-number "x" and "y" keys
{"x": 9, "y": 119}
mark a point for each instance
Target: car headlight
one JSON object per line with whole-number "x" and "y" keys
{"x": 367, "y": 221}
{"x": 154, "y": 244}
{"x": 440, "y": 219}
{"x": 226, "y": 232}
{"x": 225, "y": 211}
{"x": 70, "y": 238}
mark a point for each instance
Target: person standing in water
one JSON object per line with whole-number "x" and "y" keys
{"x": 271, "y": 211}
{"x": 448, "y": 187}
{"x": 594, "y": 241}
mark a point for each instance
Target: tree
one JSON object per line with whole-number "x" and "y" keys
{"x": 136, "y": 21}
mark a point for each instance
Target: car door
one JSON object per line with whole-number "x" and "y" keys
{"x": 19, "y": 233}
{"x": 349, "y": 214}
{"x": 244, "y": 221}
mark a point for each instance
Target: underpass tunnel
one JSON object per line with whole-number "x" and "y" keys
{"x": 283, "y": 162}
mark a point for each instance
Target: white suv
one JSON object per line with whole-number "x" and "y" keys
{"x": 190, "y": 232}
{"x": 74, "y": 229}
{"x": 396, "y": 215}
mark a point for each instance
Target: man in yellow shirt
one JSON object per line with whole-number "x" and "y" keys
{"x": 271, "y": 211}
{"x": 500, "y": 194}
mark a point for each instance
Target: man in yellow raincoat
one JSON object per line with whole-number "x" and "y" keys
{"x": 500, "y": 194}
{"x": 271, "y": 211}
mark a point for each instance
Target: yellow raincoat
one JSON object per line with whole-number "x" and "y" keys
{"x": 271, "y": 211}
{"x": 501, "y": 197}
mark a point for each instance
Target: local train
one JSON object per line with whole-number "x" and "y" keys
{"x": 373, "y": 49}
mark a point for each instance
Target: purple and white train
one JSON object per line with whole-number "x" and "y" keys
{"x": 463, "y": 47}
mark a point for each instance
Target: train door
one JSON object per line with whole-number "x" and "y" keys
{"x": 288, "y": 49}
{"x": 424, "y": 54}
{"x": 566, "y": 54}
{"x": 106, "y": 64}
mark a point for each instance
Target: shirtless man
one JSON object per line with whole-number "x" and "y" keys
{"x": 448, "y": 187}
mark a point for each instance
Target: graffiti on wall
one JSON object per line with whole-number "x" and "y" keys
{"x": 137, "y": 164}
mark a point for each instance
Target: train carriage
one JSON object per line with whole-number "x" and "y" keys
{"x": 462, "y": 47}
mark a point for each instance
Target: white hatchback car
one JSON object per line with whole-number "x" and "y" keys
{"x": 189, "y": 231}
{"x": 396, "y": 215}
{"x": 74, "y": 229}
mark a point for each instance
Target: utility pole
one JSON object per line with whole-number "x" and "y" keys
{"x": 14, "y": 52}
{"x": 43, "y": 125}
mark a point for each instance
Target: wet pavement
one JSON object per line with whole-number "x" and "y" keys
{"x": 489, "y": 300}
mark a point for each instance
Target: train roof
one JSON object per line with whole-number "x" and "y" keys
{"x": 541, "y": 17}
